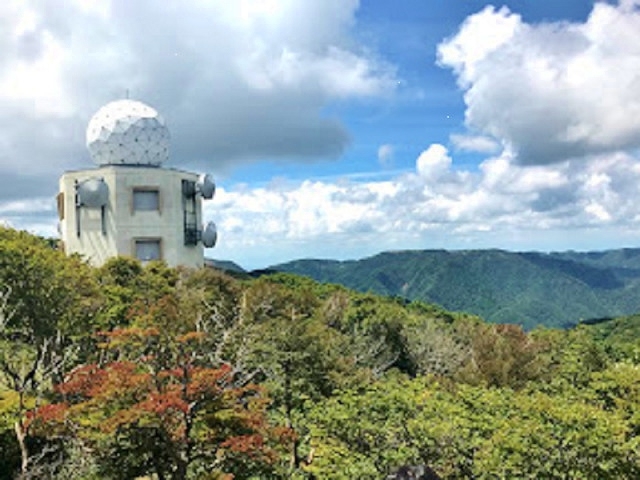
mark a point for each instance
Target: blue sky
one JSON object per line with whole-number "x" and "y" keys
{"x": 338, "y": 128}
{"x": 427, "y": 106}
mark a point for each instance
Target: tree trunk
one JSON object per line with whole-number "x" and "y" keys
{"x": 24, "y": 451}
{"x": 181, "y": 471}
{"x": 294, "y": 460}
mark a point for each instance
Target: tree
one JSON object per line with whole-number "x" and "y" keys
{"x": 434, "y": 349}
{"x": 502, "y": 355}
{"x": 125, "y": 282}
{"x": 466, "y": 431}
{"x": 46, "y": 301}
{"x": 374, "y": 327}
{"x": 568, "y": 359}
{"x": 163, "y": 408}
{"x": 291, "y": 349}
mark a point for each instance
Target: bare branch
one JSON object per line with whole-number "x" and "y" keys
{"x": 6, "y": 314}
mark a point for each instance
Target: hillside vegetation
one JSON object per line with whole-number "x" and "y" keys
{"x": 529, "y": 289}
{"x": 129, "y": 371}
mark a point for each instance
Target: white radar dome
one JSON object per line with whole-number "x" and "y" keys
{"x": 128, "y": 132}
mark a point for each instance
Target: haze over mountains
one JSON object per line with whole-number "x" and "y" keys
{"x": 529, "y": 288}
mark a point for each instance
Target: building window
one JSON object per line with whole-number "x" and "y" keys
{"x": 190, "y": 213}
{"x": 146, "y": 199}
{"x": 148, "y": 249}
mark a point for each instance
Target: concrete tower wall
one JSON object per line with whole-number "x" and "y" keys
{"x": 145, "y": 213}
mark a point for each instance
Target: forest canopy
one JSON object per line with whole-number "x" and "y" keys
{"x": 133, "y": 370}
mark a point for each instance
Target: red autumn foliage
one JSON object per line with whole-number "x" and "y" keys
{"x": 170, "y": 388}
{"x": 244, "y": 443}
{"x": 91, "y": 381}
{"x": 166, "y": 402}
{"x": 52, "y": 414}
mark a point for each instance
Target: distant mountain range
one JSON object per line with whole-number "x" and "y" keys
{"x": 226, "y": 265}
{"x": 529, "y": 288}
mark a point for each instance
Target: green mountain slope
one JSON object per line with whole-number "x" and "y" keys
{"x": 529, "y": 288}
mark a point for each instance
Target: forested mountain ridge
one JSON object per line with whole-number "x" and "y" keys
{"x": 527, "y": 288}
{"x": 130, "y": 370}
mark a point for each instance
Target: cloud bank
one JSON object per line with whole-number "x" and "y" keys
{"x": 502, "y": 205}
{"x": 556, "y": 107}
{"x": 237, "y": 81}
{"x": 552, "y": 110}
{"x": 552, "y": 91}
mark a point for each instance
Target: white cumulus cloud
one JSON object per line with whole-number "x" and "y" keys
{"x": 237, "y": 81}
{"x": 434, "y": 162}
{"x": 572, "y": 204}
{"x": 551, "y": 91}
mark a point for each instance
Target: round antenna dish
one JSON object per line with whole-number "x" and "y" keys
{"x": 92, "y": 193}
{"x": 209, "y": 235}
{"x": 206, "y": 186}
{"x": 128, "y": 132}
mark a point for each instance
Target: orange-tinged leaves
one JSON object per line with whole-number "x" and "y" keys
{"x": 244, "y": 443}
{"x": 162, "y": 382}
{"x": 47, "y": 419}
{"x": 161, "y": 403}
{"x": 53, "y": 412}
{"x": 208, "y": 380}
{"x": 191, "y": 337}
{"x": 115, "y": 380}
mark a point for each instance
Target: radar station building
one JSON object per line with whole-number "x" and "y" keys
{"x": 130, "y": 205}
